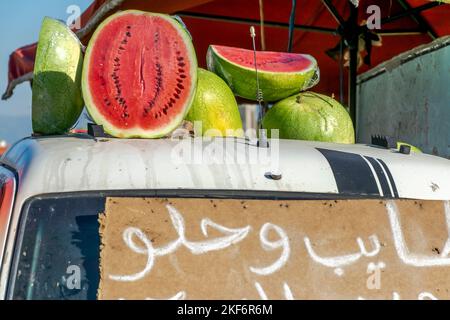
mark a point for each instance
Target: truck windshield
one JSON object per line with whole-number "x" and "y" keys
{"x": 57, "y": 256}
{"x": 173, "y": 244}
{"x": 57, "y": 249}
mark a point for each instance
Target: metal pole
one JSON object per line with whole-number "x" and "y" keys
{"x": 291, "y": 25}
{"x": 262, "y": 30}
{"x": 353, "y": 70}
{"x": 332, "y": 9}
{"x": 411, "y": 12}
{"x": 420, "y": 20}
{"x": 271, "y": 24}
{"x": 341, "y": 71}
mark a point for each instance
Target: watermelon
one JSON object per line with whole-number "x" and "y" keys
{"x": 280, "y": 74}
{"x": 215, "y": 107}
{"x": 56, "y": 98}
{"x": 139, "y": 75}
{"x": 310, "y": 116}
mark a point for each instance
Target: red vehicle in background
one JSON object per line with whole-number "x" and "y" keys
{"x": 3, "y": 147}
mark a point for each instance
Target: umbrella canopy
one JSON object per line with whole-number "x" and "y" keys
{"x": 317, "y": 26}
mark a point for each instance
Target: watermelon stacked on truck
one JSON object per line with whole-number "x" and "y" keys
{"x": 139, "y": 79}
{"x": 140, "y": 74}
{"x": 280, "y": 74}
{"x": 57, "y": 101}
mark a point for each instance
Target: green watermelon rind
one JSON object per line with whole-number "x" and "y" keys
{"x": 57, "y": 100}
{"x": 136, "y": 132}
{"x": 215, "y": 107}
{"x": 316, "y": 118}
{"x": 274, "y": 85}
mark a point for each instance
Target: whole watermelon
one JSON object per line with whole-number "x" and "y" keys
{"x": 215, "y": 107}
{"x": 310, "y": 116}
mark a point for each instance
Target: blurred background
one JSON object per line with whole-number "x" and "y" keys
{"x": 20, "y": 22}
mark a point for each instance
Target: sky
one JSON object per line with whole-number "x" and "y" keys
{"x": 20, "y": 22}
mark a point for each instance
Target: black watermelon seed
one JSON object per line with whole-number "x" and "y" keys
{"x": 180, "y": 58}
{"x": 182, "y": 76}
{"x": 181, "y": 70}
{"x": 128, "y": 34}
{"x": 180, "y": 86}
{"x": 165, "y": 111}
{"x": 181, "y": 64}
{"x": 172, "y": 100}
{"x": 178, "y": 90}
{"x": 176, "y": 96}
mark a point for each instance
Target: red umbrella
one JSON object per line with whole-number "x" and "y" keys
{"x": 316, "y": 26}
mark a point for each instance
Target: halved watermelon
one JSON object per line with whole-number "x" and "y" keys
{"x": 139, "y": 75}
{"x": 280, "y": 74}
{"x": 57, "y": 101}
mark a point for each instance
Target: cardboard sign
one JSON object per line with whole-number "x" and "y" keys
{"x": 267, "y": 249}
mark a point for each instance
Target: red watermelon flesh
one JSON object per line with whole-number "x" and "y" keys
{"x": 280, "y": 74}
{"x": 140, "y": 74}
{"x": 266, "y": 60}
